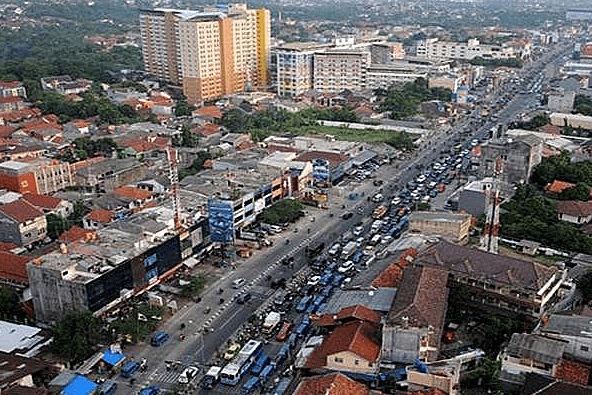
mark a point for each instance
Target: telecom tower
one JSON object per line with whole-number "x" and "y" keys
{"x": 491, "y": 229}
{"x": 173, "y": 160}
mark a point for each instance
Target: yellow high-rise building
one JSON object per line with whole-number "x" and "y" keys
{"x": 210, "y": 53}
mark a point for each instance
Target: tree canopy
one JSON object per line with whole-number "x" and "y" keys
{"x": 404, "y": 101}
{"x": 76, "y": 336}
{"x": 562, "y": 168}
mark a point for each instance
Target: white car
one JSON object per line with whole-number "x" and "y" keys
{"x": 346, "y": 267}
{"x": 238, "y": 282}
{"x": 346, "y": 282}
{"x": 188, "y": 374}
{"x": 314, "y": 280}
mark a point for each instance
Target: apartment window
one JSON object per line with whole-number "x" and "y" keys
{"x": 584, "y": 348}
{"x": 357, "y": 362}
{"x": 338, "y": 360}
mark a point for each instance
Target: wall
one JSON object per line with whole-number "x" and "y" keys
{"x": 22, "y": 183}
{"x": 349, "y": 363}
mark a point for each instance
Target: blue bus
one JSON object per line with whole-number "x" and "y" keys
{"x": 266, "y": 372}
{"x": 129, "y": 369}
{"x": 259, "y": 364}
{"x": 282, "y": 387}
{"x": 159, "y": 338}
{"x": 303, "y": 303}
{"x": 235, "y": 370}
{"x": 251, "y": 384}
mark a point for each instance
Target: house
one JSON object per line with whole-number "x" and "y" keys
{"x": 574, "y": 211}
{"x": 574, "y": 330}
{"x": 12, "y": 103}
{"x": 496, "y": 282}
{"x": 22, "y": 223}
{"x": 537, "y": 384}
{"x": 97, "y": 218}
{"x": 414, "y": 325}
{"x": 12, "y": 89}
{"x": 211, "y": 114}
{"x": 347, "y": 314}
{"x": 24, "y": 372}
{"x": 330, "y": 384}
{"x": 137, "y": 197}
{"x": 558, "y": 186}
{"x": 49, "y": 204}
{"x": 352, "y": 347}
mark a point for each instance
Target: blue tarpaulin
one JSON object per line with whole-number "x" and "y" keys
{"x": 113, "y": 358}
{"x": 79, "y": 386}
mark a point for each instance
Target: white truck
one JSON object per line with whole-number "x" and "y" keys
{"x": 348, "y": 250}
{"x": 271, "y": 321}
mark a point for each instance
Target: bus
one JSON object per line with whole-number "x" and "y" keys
{"x": 314, "y": 250}
{"x": 235, "y": 370}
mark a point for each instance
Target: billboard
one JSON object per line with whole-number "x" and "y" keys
{"x": 221, "y": 220}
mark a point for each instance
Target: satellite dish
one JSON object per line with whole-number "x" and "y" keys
{"x": 371, "y": 293}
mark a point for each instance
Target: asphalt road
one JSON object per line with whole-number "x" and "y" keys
{"x": 223, "y": 320}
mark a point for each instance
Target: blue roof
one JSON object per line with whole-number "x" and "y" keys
{"x": 113, "y": 358}
{"x": 79, "y": 386}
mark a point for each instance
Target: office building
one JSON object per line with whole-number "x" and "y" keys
{"x": 210, "y": 53}
{"x": 339, "y": 69}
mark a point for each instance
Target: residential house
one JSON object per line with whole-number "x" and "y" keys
{"x": 12, "y": 89}
{"x": 414, "y": 325}
{"x": 49, "y": 204}
{"x": 352, "y": 347}
{"x": 574, "y": 330}
{"x": 558, "y": 186}
{"x": 137, "y": 197}
{"x": 12, "y": 103}
{"x": 211, "y": 114}
{"x": 65, "y": 85}
{"x": 13, "y": 270}
{"x": 331, "y": 384}
{"x": 345, "y": 315}
{"x": 24, "y": 372}
{"x": 574, "y": 211}
{"x": 496, "y": 282}
{"x": 97, "y": 218}
{"x": 21, "y": 223}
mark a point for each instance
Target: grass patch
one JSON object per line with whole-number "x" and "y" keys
{"x": 287, "y": 210}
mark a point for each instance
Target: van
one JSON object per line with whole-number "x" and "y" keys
{"x": 211, "y": 378}
{"x": 159, "y": 338}
{"x": 108, "y": 388}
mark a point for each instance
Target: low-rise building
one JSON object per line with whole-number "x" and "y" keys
{"x": 21, "y": 223}
{"x": 573, "y": 330}
{"x": 454, "y": 227}
{"x": 65, "y": 85}
{"x": 577, "y": 121}
{"x": 12, "y": 89}
{"x": 331, "y": 384}
{"x": 518, "y": 158}
{"x": 24, "y": 372}
{"x": 111, "y": 174}
{"x": 574, "y": 211}
{"x": 49, "y": 204}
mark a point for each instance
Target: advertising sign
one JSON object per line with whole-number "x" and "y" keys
{"x": 221, "y": 220}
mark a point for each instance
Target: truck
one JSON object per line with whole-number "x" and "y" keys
{"x": 271, "y": 321}
{"x": 348, "y": 250}
{"x": 379, "y": 212}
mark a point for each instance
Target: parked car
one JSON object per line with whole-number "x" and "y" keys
{"x": 238, "y": 282}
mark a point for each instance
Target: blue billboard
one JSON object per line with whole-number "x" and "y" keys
{"x": 221, "y": 219}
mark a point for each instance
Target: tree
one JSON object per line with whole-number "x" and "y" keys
{"x": 56, "y": 225}
{"x": 78, "y": 211}
{"x": 580, "y": 192}
{"x": 584, "y": 285}
{"x": 8, "y": 302}
{"x": 196, "y": 284}
{"x": 76, "y": 336}
{"x": 182, "y": 108}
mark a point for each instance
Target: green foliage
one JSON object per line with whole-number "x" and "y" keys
{"x": 561, "y": 168}
{"x": 76, "y": 336}
{"x": 535, "y": 123}
{"x": 137, "y": 329}
{"x": 196, "y": 165}
{"x": 56, "y": 225}
{"x": 78, "y": 212}
{"x": 188, "y": 139}
{"x": 584, "y": 284}
{"x": 532, "y": 216}
{"x": 487, "y": 374}
{"x": 182, "y": 108}
{"x": 89, "y": 106}
{"x": 195, "y": 286}
{"x": 286, "y": 210}
{"x": 512, "y": 62}
{"x": 404, "y": 102}
{"x": 8, "y": 303}
{"x": 580, "y": 192}
{"x": 422, "y": 206}
{"x": 582, "y": 105}
{"x": 84, "y": 147}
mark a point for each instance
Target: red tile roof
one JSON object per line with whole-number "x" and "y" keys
{"x": 330, "y": 384}
{"x": 7, "y": 246}
{"x": 11, "y": 99}
{"x": 392, "y": 275}
{"x": 10, "y": 84}
{"x": 573, "y": 372}
{"x": 551, "y": 129}
{"x": 75, "y": 233}
{"x": 6, "y": 131}
{"x": 21, "y": 211}
{"x": 360, "y": 338}
{"x": 558, "y": 186}
{"x": 14, "y": 267}
{"x": 356, "y": 312}
{"x": 132, "y": 193}
{"x": 100, "y": 216}
{"x": 47, "y": 122}
{"x": 209, "y": 111}
{"x": 574, "y": 208}
{"x": 44, "y": 201}
{"x": 14, "y": 116}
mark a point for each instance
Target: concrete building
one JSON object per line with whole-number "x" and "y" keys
{"x": 574, "y": 211}
{"x": 519, "y": 158}
{"x": 573, "y": 331}
{"x": 211, "y": 53}
{"x": 41, "y": 176}
{"x": 12, "y": 89}
{"x": 454, "y": 227}
{"x": 385, "y": 75}
{"x": 576, "y": 121}
{"x": 21, "y": 223}
{"x": 495, "y": 282}
{"x": 387, "y": 52}
{"x": 336, "y": 70}
{"x": 111, "y": 174}
{"x": 561, "y": 101}
{"x": 472, "y": 198}
{"x": 294, "y": 67}
{"x": 432, "y": 48}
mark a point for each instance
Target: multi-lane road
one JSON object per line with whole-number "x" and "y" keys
{"x": 209, "y": 323}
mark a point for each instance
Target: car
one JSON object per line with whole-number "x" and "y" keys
{"x": 231, "y": 351}
{"x": 346, "y": 282}
{"x": 243, "y": 297}
{"x": 347, "y": 215}
{"x": 346, "y": 267}
{"x": 238, "y": 282}
{"x": 314, "y": 280}
{"x": 188, "y": 374}
{"x": 151, "y": 390}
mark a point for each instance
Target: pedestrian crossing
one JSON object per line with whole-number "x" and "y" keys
{"x": 165, "y": 376}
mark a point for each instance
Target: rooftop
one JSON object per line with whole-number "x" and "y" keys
{"x": 21, "y": 211}
{"x": 538, "y": 348}
{"x": 330, "y": 384}
{"x": 568, "y": 325}
{"x": 574, "y": 208}
{"x": 438, "y": 216}
{"x": 379, "y": 300}
{"x": 349, "y": 313}
{"x": 486, "y": 266}
{"x": 14, "y": 267}
{"x": 44, "y": 201}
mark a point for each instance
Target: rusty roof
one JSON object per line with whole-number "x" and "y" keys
{"x": 134, "y": 193}
{"x": 21, "y": 211}
{"x": 574, "y": 208}
{"x": 14, "y": 267}
{"x": 330, "y": 384}
{"x": 44, "y": 201}
{"x": 558, "y": 186}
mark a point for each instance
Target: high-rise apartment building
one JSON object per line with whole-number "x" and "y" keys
{"x": 336, "y": 70}
{"x": 210, "y": 53}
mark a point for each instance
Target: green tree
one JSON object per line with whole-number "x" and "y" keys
{"x": 182, "y": 108}
{"x": 8, "y": 302}
{"x": 584, "y": 285}
{"x": 580, "y": 192}
{"x": 76, "y": 336}
{"x": 56, "y": 225}
{"x": 195, "y": 286}
{"x": 78, "y": 212}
